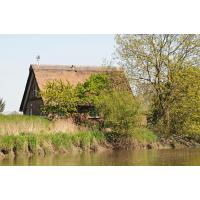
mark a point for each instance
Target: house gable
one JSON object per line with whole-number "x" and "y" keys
{"x": 31, "y": 101}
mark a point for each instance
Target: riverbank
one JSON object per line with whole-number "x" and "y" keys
{"x": 152, "y": 141}
{"x": 28, "y": 145}
{"x": 55, "y": 143}
{"x": 29, "y": 136}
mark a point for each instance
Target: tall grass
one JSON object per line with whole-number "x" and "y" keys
{"x": 33, "y": 143}
{"x": 16, "y": 124}
{"x": 31, "y": 133}
{"x": 144, "y": 135}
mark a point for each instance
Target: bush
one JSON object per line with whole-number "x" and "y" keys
{"x": 91, "y": 88}
{"x": 120, "y": 111}
{"x": 144, "y": 135}
{"x": 63, "y": 99}
{"x": 60, "y": 99}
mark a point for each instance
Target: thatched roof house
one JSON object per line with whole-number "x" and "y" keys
{"x": 39, "y": 75}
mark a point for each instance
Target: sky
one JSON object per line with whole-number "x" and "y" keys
{"x": 17, "y": 52}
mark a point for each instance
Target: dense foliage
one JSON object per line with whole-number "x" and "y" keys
{"x": 165, "y": 70}
{"x": 108, "y": 93}
{"x": 60, "y": 99}
{"x": 89, "y": 91}
{"x": 64, "y": 99}
{"x": 184, "y": 106}
{"x": 120, "y": 111}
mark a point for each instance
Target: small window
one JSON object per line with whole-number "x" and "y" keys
{"x": 93, "y": 113}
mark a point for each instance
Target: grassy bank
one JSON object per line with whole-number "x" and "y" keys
{"x": 51, "y": 143}
{"x": 36, "y": 135}
{"x": 17, "y": 124}
{"x": 138, "y": 138}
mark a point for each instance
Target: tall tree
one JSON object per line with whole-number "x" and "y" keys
{"x": 152, "y": 61}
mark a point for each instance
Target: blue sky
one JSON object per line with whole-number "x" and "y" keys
{"x": 17, "y": 52}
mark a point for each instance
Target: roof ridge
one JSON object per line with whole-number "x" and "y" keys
{"x": 77, "y": 67}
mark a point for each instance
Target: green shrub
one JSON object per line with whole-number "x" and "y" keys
{"x": 60, "y": 99}
{"x": 7, "y": 142}
{"x": 120, "y": 111}
{"x": 91, "y": 88}
{"x": 144, "y": 135}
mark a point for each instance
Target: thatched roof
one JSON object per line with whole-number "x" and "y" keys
{"x": 73, "y": 74}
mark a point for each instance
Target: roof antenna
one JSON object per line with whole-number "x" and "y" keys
{"x": 38, "y": 59}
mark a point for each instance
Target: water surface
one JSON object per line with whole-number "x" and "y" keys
{"x": 167, "y": 157}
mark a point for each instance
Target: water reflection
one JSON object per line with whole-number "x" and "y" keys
{"x": 166, "y": 157}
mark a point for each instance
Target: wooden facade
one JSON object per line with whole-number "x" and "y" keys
{"x": 31, "y": 102}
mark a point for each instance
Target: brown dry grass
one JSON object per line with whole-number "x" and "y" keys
{"x": 16, "y": 124}
{"x": 67, "y": 126}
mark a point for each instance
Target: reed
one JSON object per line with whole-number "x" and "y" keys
{"x": 50, "y": 142}
{"x": 16, "y": 124}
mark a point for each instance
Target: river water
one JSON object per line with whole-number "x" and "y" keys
{"x": 165, "y": 157}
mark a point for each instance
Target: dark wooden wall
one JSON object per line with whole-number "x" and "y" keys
{"x": 34, "y": 102}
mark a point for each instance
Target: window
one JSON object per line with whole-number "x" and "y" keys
{"x": 93, "y": 113}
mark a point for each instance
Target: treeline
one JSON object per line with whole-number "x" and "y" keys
{"x": 165, "y": 71}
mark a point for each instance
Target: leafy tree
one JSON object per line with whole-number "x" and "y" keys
{"x": 2, "y": 105}
{"x": 152, "y": 62}
{"x": 184, "y": 112}
{"x": 91, "y": 88}
{"x": 60, "y": 99}
{"x": 119, "y": 109}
